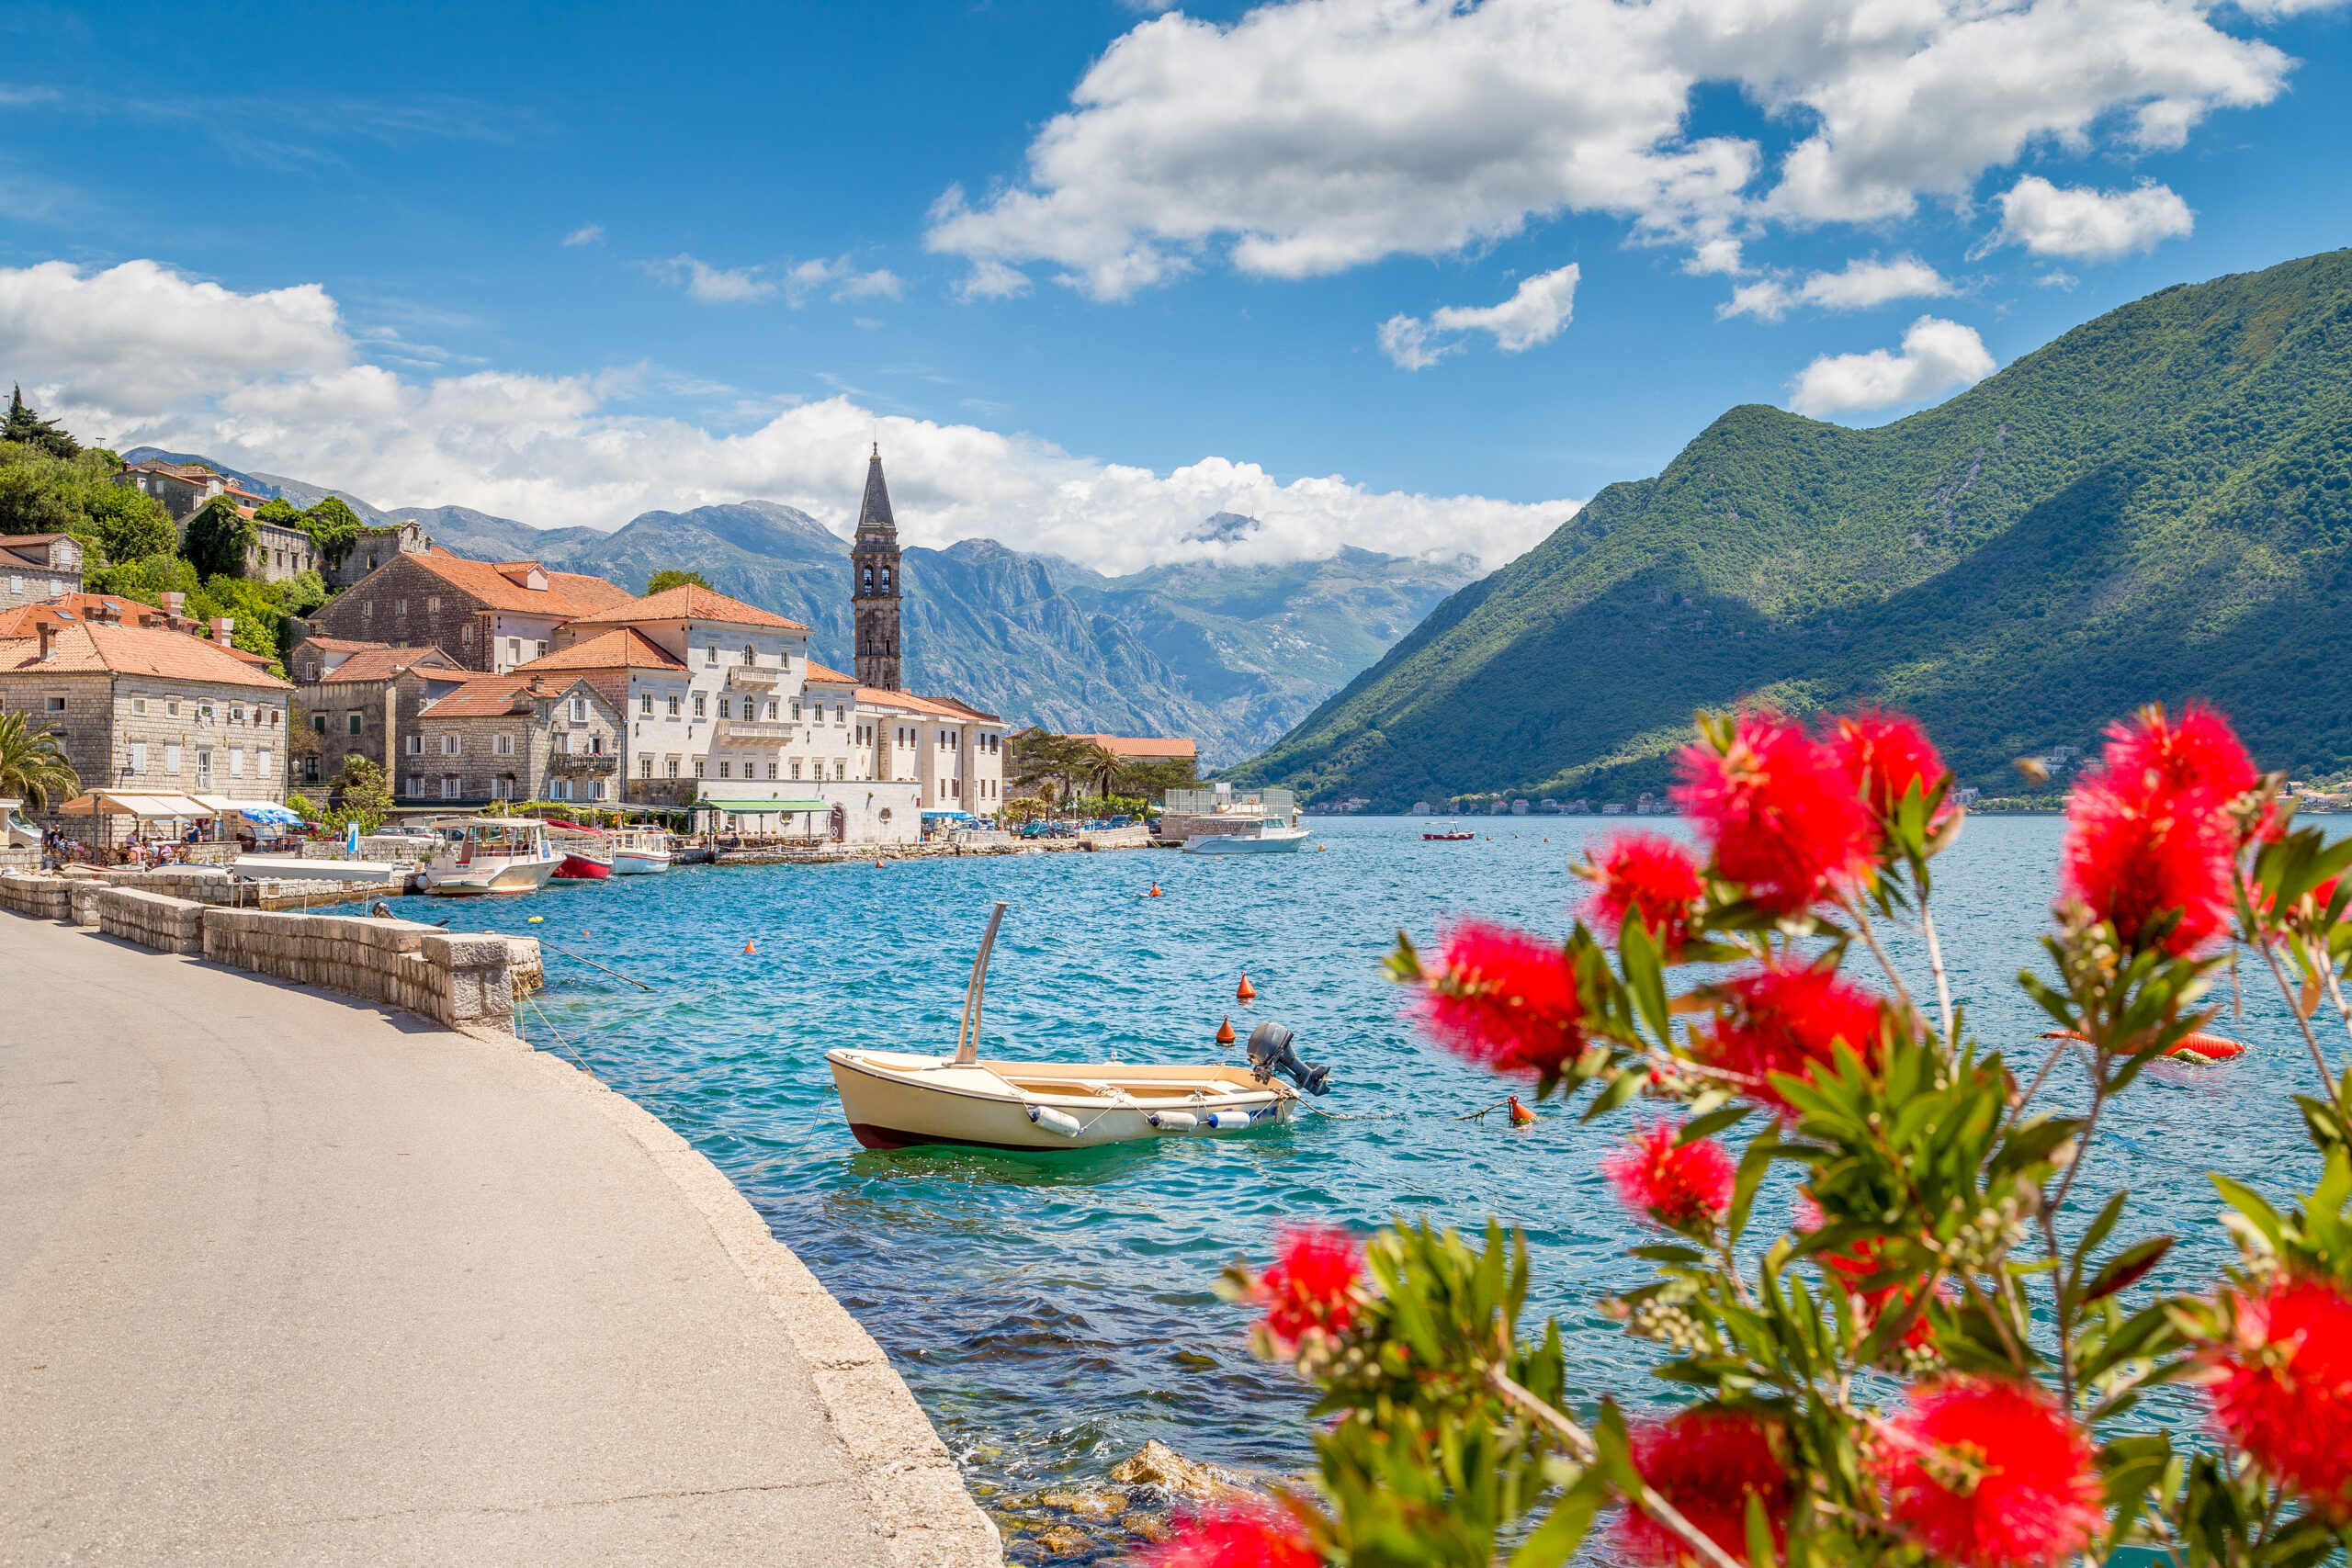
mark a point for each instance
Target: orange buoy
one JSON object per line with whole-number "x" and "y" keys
{"x": 1155, "y": 892}
{"x": 1244, "y": 991}
{"x": 1519, "y": 1115}
{"x": 2203, "y": 1049}
{"x": 1225, "y": 1031}
{"x": 750, "y": 946}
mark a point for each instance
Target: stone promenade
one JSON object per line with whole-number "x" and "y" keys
{"x": 286, "y": 1277}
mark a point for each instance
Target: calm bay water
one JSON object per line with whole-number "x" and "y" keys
{"x": 1052, "y": 1314}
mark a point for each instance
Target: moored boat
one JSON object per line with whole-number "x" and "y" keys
{"x": 897, "y": 1099}
{"x": 1453, "y": 834}
{"x": 638, "y": 852}
{"x": 587, "y": 852}
{"x": 1260, "y": 836}
{"x": 479, "y": 855}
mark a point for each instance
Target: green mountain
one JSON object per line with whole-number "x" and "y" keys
{"x": 2157, "y": 506}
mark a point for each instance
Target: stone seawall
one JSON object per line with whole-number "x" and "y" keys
{"x": 42, "y": 897}
{"x": 150, "y": 919}
{"x": 454, "y": 980}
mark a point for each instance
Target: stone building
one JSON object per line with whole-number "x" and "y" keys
{"x": 875, "y": 595}
{"x": 516, "y": 737}
{"x": 486, "y": 615}
{"x": 150, "y": 708}
{"x": 373, "y": 548}
{"x": 953, "y": 752}
{"x": 364, "y": 698}
{"x": 38, "y": 566}
{"x": 277, "y": 554}
{"x": 635, "y": 675}
{"x": 181, "y": 487}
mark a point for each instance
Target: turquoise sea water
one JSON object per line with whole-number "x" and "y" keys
{"x": 1051, "y": 1313}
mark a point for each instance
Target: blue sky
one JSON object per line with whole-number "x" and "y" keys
{"x": 355, "y": 225}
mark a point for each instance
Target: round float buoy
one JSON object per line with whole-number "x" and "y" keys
{"x": 1519, "y": 1115}
{"x": 2202, "y": 1050}
{"x": 1225, "y": 1031}
{"x": 1244, "y": 991}
{"x": 537, "y": 918}
{"x": 751, "y": 946}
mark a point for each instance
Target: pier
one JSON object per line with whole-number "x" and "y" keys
{"x": 286, "y": 1277}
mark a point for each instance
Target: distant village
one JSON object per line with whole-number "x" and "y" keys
{"x": 474, "y": 683}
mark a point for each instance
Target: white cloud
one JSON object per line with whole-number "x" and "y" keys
{"x": 1534, "y": 315}
{"x": 185, "y": 372}
{"x": 2083, "y": 224}
{"x": 1861, "y": 286}
{"x": 796, "y": 283}
{"x": 1312, "y": 136}
{"x": 1936, "y": 357}
{"x": 992, "y": 281}
{"x": 587, "y": 234}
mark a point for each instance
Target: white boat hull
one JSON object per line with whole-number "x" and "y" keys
{"x": 508, "y": 876}
{"x": 1268, "y": 841}
{"x": 640, "y": 862}
{"x": 293, "y": 868}
{"x": 894, "y": 1101}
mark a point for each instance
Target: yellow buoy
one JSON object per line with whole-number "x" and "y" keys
{"x": 537, "y": 918}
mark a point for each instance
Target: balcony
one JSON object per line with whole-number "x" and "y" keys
{"x": 743, "y": 731}
{"x": 583, "y": 765}
{"x": 751, "y": 675}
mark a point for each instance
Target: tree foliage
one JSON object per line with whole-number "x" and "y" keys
{"x": 33, "y": 768}
{"x": 26, "y": 428}
{"x": 362, "y": 795}
{"x": 671, "y": 577}
{"x": 1063, "y": 767}
{"x": 219, "y": 539}
{"x": 43, "y": 493}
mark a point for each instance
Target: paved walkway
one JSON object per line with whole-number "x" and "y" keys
{"x": 286, "y": 1278}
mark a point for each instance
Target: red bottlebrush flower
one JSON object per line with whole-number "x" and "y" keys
{"x": 1857, "y": 1263}
{"x": 1507, "y": 1000}
{"x": 1788, "y": 1019}
{"x": 2200, "y": 753}
{"x": 1705, "y": 1461}
{"x": 1990, "y": 1473}
{"x": 1883, "y": 755}
{"x": 1650, "y": 876}
{"x": 2136, "y": 848}
{"x": 1782, "y": 817}
{"x": 1311, "y": 1285}
{"x": 2283, "y": 1388}
{"x": 1236, "y": 1538}
{"x": 1673, "y": 1186}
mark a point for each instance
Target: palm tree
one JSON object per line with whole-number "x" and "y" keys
{"x": 32, "y": 766}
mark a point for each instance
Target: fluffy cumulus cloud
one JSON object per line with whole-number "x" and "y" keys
{"x": 1534, "y": 315}
{"x": 1936, "y": 357}
{"x": 2083, "y": 224}
{"x": 139, "y": 356}
{"x": 1319, "y": 135}
{"x": 1861, "y": 285}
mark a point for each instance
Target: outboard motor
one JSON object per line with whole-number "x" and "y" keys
{"x": 1269, "y": 1048}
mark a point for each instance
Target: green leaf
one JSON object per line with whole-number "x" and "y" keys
{"x": 1712, "y": 1122}
{"x": 1753, "y": 1165}
{"x": 1760, "y": 1545}
{"x": 1622, "y": 1088}
{"x": 2250, "y": 1203}
{"x": 1644, "y": 978}
{"x": 1557, "y": 1539}
{"x": 2128, "y": 1267}
{"x": 1667, "y": 1252}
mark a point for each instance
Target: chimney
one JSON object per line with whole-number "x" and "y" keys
{"x": 222, "y": 627}
{"x": 174, "y": 604}
{"x": 47, "y": 630}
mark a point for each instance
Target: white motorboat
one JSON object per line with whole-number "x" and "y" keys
{"x": 1251, "y": 836}
{"x": 638, "y": 852}
{"x": 479, "y": 855}
{"x": 295, "y": 868}
{"x": 896, "y": 1099}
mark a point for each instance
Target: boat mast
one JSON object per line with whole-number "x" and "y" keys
{"x": 967, "y": 1037}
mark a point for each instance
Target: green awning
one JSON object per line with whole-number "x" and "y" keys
{"x": 748, "y": 807}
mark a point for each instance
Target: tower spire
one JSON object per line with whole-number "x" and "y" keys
{"x": 874, "y": 582}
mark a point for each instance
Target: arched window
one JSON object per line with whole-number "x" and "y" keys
{"x": 751, "y": 655}
{"x": 885, "y": 580}
{"x": 869, "y": 577}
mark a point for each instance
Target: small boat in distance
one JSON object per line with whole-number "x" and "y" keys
{"x": 638, "y": 852}
{"x": 895, "y": 1100}
{"x": 1453, "y": 834}
{"x": 489, "y": 855}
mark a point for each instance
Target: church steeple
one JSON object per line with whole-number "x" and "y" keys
{"x": 874, "y": 591}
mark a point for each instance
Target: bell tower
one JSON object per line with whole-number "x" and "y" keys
{"x": 874, "y": 583}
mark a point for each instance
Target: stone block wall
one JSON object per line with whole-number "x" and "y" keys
{"x": 152, "y": 920}
{"x": 83, "y": 901}
{"x": 41, "y": 898}
{"x": 453, "y": 981}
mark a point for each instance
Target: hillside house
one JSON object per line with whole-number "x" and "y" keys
{"x": 372, "y": 548}
{"x": 490, "y": 616}
{"x": 514, "y": 737}
{"x": 365, "y": 698}
{"x": 38, "y": 566}
{"x": 277, "y": 554}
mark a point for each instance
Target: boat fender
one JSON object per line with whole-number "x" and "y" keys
{"x": 1227, "y": 1121}
{"x": 1174, "y": 1121}
{"x": 1055, "y": 1121}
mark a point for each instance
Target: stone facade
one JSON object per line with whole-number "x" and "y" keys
{"x": 34, "y": 567}
{"x": 513, "y": 738}
{"x": 484, "y": 615}
{"x": 366, "y": 700}
{"x": 875, "y": 583}
{"x": 372, "y": 548}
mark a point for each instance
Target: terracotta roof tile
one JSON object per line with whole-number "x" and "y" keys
{"x": 134, "y": 650}
{"x": 493, "y": 696}
{"x": 830, "y": 677}
{"x": 567, "y": 595}
{"x": 688, "y": 603}
{"x": 1143, "y": 744}
{"x": 338, "y": 644}
{"x": 383, "y": 663}
{"x": 624, "y": 647}
{"x": 937, "y": 707}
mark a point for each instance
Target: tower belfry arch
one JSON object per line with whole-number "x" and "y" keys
{"x": 874, "y": 587}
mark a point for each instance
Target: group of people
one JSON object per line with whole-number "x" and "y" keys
{"x": 140, "y": 849}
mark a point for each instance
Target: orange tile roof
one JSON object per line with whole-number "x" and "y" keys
{"x": 383, "y": 663}
{"x": 624, "y": 647}
{"x": 83, "y": 609}
{"x": 938, "y": 707}
{"x": 1143, "y": 744}
{"x": 495, "y": 695}
{"x": 689, "y": 602}
{"x": 567, "y": 595}
{"x": 338, "y": 644}
{"x": 830, "y": 677}
{"x": 84, "y": 648}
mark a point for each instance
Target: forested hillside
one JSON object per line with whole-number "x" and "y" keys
{"x": 2157, "y": 506}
